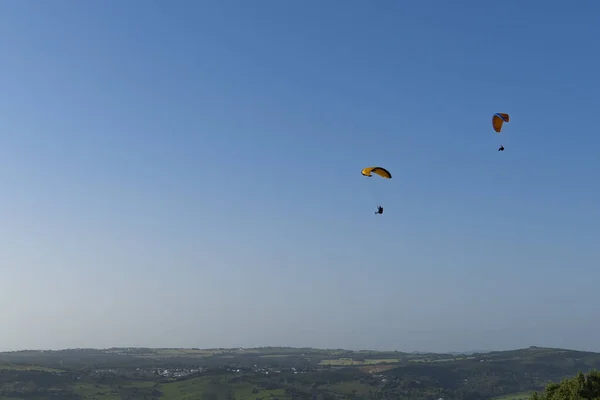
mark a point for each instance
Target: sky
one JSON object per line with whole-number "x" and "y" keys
{"x": 187, "y": 174}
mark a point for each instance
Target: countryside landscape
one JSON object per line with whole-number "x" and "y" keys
{"x": 284, "y": 373}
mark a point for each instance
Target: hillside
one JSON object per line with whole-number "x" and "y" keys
{"x": 283, "y": 373}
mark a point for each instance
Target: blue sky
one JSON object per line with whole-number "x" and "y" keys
{"x": 188, "y": 174}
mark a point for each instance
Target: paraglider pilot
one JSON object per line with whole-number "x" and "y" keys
{"x": 379, "y": 210}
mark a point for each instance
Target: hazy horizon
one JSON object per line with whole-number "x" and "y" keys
{"x": 187, "y": 174}
{"x": 482, "y": 351}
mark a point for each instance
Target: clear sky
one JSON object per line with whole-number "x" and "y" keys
{"x": 187, "y": 173}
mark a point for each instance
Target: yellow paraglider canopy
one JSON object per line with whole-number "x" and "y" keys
{"x": 384, "y": 173}
{"x": 498, "y": 119}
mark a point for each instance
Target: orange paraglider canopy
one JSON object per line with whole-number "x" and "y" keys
{"x": 498, "y": 119}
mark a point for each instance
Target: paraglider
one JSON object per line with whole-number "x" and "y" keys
{"x": 497, "y": 121}
{"x": 382, "y": 172}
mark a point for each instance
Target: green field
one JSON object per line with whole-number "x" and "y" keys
{"x": 351, "y": 388}
{"x": 218, "y": 389}
{"x": 514, "y": 396}
{"x": 184, "y": 352}
{"x": 28, "y": 368}
{"x": 438, "y": 360}
{"x": 351, "y": 362}
{"x": 273, "y": 355}
{"x": 94, "y": 391}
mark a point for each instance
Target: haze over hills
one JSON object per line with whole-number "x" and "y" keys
{"x": 242, "y": 348}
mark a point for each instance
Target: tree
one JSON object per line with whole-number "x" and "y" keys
{"x": 579, "y": 387}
